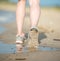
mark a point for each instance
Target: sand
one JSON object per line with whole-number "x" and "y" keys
{"x": 32, "y": 56}
{"x": 49, "y": 28}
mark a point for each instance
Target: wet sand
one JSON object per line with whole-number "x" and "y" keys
{"x": 32, "y": 56}
{"x": 49, "y": 27}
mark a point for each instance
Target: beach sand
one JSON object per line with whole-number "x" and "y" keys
{"x": 32, "y": 56}
{"x": 49, "y": 28}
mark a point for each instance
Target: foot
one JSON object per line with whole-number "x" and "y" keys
{"x": 19, "y": 43}
{"x": 33, "y": 38}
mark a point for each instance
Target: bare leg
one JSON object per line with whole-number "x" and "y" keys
{"x": 34, "y": 17}
{"x": 20, "y": 14}
{"x": 34, "y": 12}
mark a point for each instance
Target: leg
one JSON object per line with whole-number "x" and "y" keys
{"x": 34, "y": 12}
{"x": 20, "y": 14}
{"x": 34, "y": 17}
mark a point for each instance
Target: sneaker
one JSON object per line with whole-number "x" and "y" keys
{"x": 19, "y": 42}
{"x": 33, "y": 38}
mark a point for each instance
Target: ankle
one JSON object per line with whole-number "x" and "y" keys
{"x": 22, "y": 34}
{"x": 34, "y": 28}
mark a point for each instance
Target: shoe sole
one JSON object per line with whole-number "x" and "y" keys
{"x": 33, "y": 39}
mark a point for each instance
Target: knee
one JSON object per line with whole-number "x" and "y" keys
{"x": 34, "y": 2}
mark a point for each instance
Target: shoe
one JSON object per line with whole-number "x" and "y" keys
{"x": 33, "y": 38}
{"x": 19, "y": 42}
